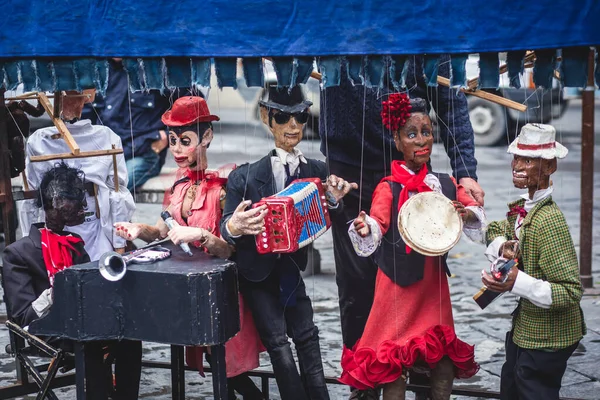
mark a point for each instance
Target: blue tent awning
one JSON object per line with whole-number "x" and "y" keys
{"x": 64, "y": 44}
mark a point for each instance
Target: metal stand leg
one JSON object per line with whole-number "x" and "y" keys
{"x": 80, "y": 370}
{"x": 177, "y": 372}
{"x": 219, "y": 372}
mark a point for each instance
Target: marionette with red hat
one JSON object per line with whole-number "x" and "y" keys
{"x": 548, "y": 322}
{"x": 410, "y": 326}
{"x": 195, "y": 203}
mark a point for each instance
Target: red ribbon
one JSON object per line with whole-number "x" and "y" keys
{"x": 56, "y": 250}
{"x": 195, "y": 176}
{"x": 409, "y": 182}
{"x": 536, "y": 146}
{"x": 517, "y": 210}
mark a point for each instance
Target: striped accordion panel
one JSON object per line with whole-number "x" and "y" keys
{"x": 296, "y": 217}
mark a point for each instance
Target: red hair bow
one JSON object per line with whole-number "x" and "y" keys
{"x": 395, "y": 111}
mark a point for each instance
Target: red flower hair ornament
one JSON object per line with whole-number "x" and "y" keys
{"x": 395, "y": 111}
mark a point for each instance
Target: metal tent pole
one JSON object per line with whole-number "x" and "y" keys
{"x": 587, "y": 178}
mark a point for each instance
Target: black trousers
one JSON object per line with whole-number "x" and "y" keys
{"x": 532, "y": 374}
{"x": 275, "y": 323}
{"x": 355, "y": 276}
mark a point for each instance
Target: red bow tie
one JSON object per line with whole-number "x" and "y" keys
{"x": 517, "y": 210}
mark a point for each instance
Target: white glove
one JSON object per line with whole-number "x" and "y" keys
{"x": 42, "y": 304}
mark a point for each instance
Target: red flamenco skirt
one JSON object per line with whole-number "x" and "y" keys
{"x": 241, "y": 351}
{"x": 406, "y": 325}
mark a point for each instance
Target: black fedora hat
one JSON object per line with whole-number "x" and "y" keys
{"x": 287, "y": 100}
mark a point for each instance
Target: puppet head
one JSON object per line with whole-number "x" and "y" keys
{"x": 535, "y": 151}
{"x": 411, "y": 128}
{"x": 62, "y": 195}
{"x": 285, "y": 113}
{"x": 190, "y": 131}
{"x": 73, "y": 101}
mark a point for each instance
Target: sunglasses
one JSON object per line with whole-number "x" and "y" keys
{"x": 282, "y": 118}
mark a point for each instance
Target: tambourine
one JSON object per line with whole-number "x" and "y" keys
{"x": 429, "y": 223}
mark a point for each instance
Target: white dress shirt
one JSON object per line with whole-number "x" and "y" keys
{"x": 281, "y": 159}
{"x": 97, "y": 233}
{"x": 538, "y": 291}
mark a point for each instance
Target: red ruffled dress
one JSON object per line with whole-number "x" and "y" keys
{"x": 406, "y": 324}
{"x": 242, "y": 351}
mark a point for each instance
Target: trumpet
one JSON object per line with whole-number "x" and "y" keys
{"x": 113, "y": 266}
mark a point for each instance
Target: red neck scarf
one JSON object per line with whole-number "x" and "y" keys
{"x": 56, "y": 250}
{"x": 195, "y": 176}
{"x": 409, "y": 182}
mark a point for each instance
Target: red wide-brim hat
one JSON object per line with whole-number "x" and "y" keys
{"x": 188, "y": 110}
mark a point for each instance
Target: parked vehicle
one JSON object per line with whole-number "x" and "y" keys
{"x": 494, "y": 124}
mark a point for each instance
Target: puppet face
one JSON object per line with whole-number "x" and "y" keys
{"x": 73, "y": 101}
{"x": 532, "y": 173}
{"x": 286, "y": 128}
{"x": 67, "y": 211}
{"x": 415, "y": 140}
{"x": 187, "y": 149}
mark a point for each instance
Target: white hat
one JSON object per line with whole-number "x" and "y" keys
{"x": 537, "y": 141}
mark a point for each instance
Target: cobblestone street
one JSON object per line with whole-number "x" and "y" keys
{"x": 485, "y": 329}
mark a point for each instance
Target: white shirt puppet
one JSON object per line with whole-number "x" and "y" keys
{"x": 97, "y": 232}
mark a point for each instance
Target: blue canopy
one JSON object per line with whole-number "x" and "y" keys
{"x": 63, "y": 44}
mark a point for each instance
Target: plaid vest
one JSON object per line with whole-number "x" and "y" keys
{"x": 547, "y": 253}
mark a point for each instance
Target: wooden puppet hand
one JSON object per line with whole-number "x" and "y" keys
{"x": 247, "y": 222}
{"x": 128, "y": 230}
{"x": 465, "y": 214}
{"x": 361, "y": 226}
{"x": 339, "y": 187}
{"x": 186, "y": 234}
{"x": 510, "y": 249}
{"x": 497, "y": 286}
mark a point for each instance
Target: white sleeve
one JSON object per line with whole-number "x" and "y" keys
{"x": 538, "y": 291}
{"x": 365, "y": 246}
{"x": 491, "y": 252}
{"x": 476, "y": 230}
{"x": 122, "y": 205}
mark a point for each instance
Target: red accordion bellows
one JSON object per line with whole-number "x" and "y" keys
{"x": 296, "y": 217}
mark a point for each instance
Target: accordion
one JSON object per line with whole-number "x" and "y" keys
{"x": 296, "y": 216}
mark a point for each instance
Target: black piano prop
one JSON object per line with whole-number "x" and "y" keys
{"x": 180, "y": 300}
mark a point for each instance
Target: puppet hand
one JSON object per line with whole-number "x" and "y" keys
{"x": 339, "y": 187}
{"x": 128, "y": 230}
{"x": 473, "y": 189}
{"x": 460, "y": 209}
{"x": 509, "y": 249}
{"x": 250, "y": 222}
{"x": 497, "y": 286}
{"x": 42, "y": 304}
{"x": 361, "y": 226}
{"x": 186, "y": 234}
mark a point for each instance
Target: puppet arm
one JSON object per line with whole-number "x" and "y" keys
{"x": 216, "y": 246}
{"x": 474, "y": 225}
{"x": 18, "y": 288}
{"x": 456, "y": 131}
{"x": 378, "y": 222}
{"x": 121, "y": 202}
